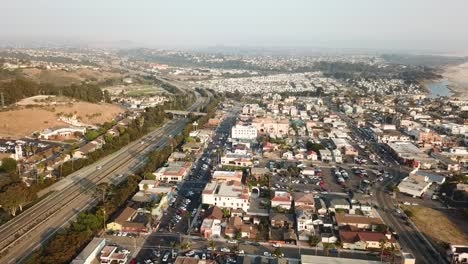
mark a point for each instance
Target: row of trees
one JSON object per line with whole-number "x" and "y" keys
{"x": 20, "y": 88}
{"x": 66, "y": 244}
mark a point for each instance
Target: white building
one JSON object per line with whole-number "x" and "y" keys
{"x": 231, "y": 195}
{"x": 235, "y": 159}
{"x": 337, "y": 157}
{"x": 62, "y": 132}
{"x": 174, "y": 172}
{"x": 243, "y": 132}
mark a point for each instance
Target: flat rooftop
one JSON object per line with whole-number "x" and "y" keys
{"x": 311, "y": 259}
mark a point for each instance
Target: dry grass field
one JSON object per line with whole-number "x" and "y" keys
{"x": 444, "y": 225}
{"x": 23, "y": 121}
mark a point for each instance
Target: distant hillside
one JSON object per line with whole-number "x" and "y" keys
{"x": 19, "y": 88}
{"x": 423, "y": 60}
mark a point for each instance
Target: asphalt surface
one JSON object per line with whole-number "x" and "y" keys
{"x": 170, "y": 231}
{"x": 26, "y": 232}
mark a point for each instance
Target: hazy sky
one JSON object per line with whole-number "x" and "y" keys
{"x": 376, "y": 24}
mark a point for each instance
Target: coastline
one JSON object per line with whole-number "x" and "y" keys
{"x": 458, "y": 80}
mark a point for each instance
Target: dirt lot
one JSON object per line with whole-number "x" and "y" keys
{"x": 444, "y": 225}
{"x": 23, "y": 121}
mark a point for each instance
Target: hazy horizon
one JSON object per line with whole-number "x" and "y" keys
{"x": 417, "y": 25}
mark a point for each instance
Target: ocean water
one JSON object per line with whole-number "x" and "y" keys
{"x": 439, "y": 89}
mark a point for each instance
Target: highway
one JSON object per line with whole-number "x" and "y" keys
{"x": 26, "y": 232}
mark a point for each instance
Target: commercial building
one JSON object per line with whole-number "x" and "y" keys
{"x": 61, "y": 133}
{"x": 237, "y": 160}
{"x": 231, "y": 195}
{"x": 174, "y": 172}
{"x": 417, "y": 183}
{"x": 227, "y": 176}
{"x": 90, "y": 252}
{"x": 271, "y": 126}
{"x": 243, "y": 132}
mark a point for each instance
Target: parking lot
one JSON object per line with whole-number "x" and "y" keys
{"x": 28, "y": 145}
{"x": 328, "y": 177}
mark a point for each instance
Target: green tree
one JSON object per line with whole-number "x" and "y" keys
{"x": 278, "y": 252}
{"x": 8, "y": 165}
{"x": 226, "y": 212}
{"x": 314, "y": 240}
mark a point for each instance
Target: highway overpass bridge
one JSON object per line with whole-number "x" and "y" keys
{"x": 184, "y": 113}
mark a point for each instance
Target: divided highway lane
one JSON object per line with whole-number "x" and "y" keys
{"x": 65, "y": 205}
{"x": 35, "y": 225}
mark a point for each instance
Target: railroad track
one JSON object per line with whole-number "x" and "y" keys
{"x": 77, "y": 195}
{"x": 10, "y": 236}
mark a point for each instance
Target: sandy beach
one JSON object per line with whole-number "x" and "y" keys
{"x": 458, "y": 77}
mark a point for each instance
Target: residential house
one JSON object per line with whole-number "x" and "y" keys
{"x": 325, "y": 155}
{"x": 130, "y": 220}
{"x": 359, "y": 221}
{"x": 364, "y": 240}
{"x": 233, "y": 226}
{"x": 304, "y": 199}
{"x": 281, "y": 199}
{"x": 280, "y": 220}
{"x": 211, "y": 228}
{"x": 312, "y": 155}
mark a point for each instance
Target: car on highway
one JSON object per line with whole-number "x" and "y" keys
{"x": 166, "y": 257}
{"x": 267, "y": 254}
{"x": 226, "y": 250}
{"x": 232, "y": 241}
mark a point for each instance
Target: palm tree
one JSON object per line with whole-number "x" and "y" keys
{"x": 382, "y": 243}
{"x": 27, "y": 149}
{"x": 188, "y": 215}
{"x": 212, "y": 244}
{"x": 62, "y": 156}
{"x": 71, "y": 153}
{"x": 101, "y": 191}
{"x": 34, "y": 149}
{"x": 326, "y": 247}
